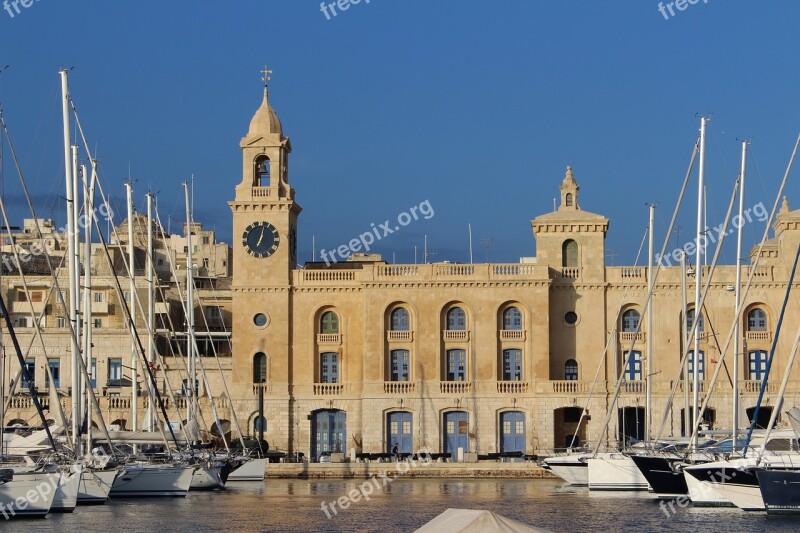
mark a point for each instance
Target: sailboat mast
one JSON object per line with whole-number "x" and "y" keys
{"x": 87, "y": 295}
{"x": 736, "y": 357}
{"x": 649, "y": 348}
{"x": 189, "y": 308}
{"x": 684, "y": 341}
{"x": 132, "y": 307}
{"x": 88, "y": 209}
{"x": 698, "y": 313}
{"x": 150, "y": 300}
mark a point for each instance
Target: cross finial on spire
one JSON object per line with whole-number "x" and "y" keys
{"x": 265, "y": 76}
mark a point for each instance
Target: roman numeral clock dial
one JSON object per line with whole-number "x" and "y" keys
{"x": 260, "y": 239}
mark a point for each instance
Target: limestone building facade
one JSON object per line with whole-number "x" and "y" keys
{"x": 363, "y": 355}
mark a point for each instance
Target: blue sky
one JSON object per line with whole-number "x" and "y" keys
{"x": 475, "y": 106}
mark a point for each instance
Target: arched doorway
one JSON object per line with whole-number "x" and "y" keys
{"x": 764, "y": 414}
{"x": 328, "y": 431}
{"x": 631, "y": 424}
{"x": 399, "y": 431}
{"x": 565, "y": 422}
{"x": 456, "y": 432}
{"x": 512, "y": 431}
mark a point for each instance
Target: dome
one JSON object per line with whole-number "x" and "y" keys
{"x": 266, "y": 120}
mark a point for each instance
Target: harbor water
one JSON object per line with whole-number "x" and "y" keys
{"x": 401, "y": 505}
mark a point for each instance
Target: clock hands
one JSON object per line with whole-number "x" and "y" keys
{"x": 263, "y": 229}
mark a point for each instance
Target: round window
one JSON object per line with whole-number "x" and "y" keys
{"x": 571, "y": 318}
{"x": 260, "y": 320}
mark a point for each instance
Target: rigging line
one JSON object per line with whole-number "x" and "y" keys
{"x": 646, "y": 307}
{"x": 160, "y": 357}
{"x": 699, "y": 307}
{"x": 153, "y": 387}
{"x": 602, "y": 363}
{"x": 59, "y": 292}
{"x": 173, "y": 269}
{"x": 754, "y": 266}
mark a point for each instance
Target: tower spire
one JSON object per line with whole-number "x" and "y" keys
{"x": 265, "y": 77}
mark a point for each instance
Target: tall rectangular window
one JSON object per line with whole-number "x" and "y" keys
{"x": 399, "y": 365}
{"x": 757, "y": 364}
{"x": 30, "y": 366}
{"x": 512, "y": 365}
{"x": 93, "y": 372}
{"x": 115, "y": 372}
{"x": 329, "y": 367}
{"x": 54, "y": 365}
{"x": 701, "y": 365}
{"x": 456, "y": 365}
{"x": 633, "y": 367}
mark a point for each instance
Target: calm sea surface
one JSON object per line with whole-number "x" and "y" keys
{"x": 403, "y": 505}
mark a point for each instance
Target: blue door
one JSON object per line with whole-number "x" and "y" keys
{"x": 456, "y": 432}
{"x": 328, "y": 430}
{"x": 512, "y": 431}
{"x": 399, "y": 428}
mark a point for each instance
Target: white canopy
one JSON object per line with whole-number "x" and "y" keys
{"x": 475, "y": 521}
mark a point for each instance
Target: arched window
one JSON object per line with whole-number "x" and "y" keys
{"x": 569, "y": 254}
{"x": 630, "y": 320}
{"x": 260, "y": 368}
{"x": 400, "y": 320}
{"x": 259, "y": 423}
{"x": 568, "y": 200}
{"x": 512, "y": 318}
{"x": 690, "y": 321}
{"x": 757, "y": 320}
{"x": 456, "y": 319}
{"x": 262, "y": 172}
{"x": 571, "y": 370}
{"x": 329, "y": 323}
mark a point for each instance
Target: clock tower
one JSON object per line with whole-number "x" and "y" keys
{"x": 264, "y": 257}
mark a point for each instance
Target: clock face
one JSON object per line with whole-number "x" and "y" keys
{"x": 260, "y": 239}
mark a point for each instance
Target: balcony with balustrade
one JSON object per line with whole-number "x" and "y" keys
{"x": 513, "y": 387}
{"x": 330, "y": 339}
{"x": 329, "y": 389}
{"x": 455, "y": 335}
{"x": 399, "y": 387}
{"x": 512, "y": 335}
{"x": 455, "y": 387}
{"x": 399, "y": 336}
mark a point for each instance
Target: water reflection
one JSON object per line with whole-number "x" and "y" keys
{"x": 401, "y": 505}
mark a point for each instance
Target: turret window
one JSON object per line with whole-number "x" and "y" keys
{"x": 569, "y": 257}
{"x": 568, "y": 200}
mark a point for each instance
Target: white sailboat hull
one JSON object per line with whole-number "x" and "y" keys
{"x": 141, "y": 481}
{"x": 252, "y": 470}
{"x": 14, "y": 494}
{"x": 615, "y": 472}
{"x": 66, "y": 496}
{"x": 571, "y": 469}
{"x": 703, "y": 493}
{"x": 207, "y": 478}
{"x": 95, "y": 486}
{"x": 745, "y": 497}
